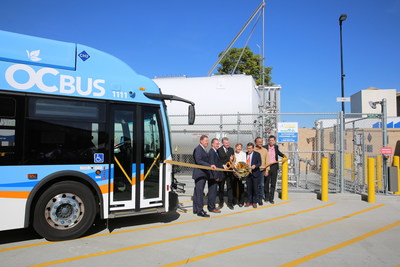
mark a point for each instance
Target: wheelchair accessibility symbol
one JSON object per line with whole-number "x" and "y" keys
{"x": 99, "y": 158}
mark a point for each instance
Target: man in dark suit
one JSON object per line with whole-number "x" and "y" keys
{"x": 200, "y": 176}
{"x": 270, "y": 180}
{"x": 215, "y": 176}
{"x": 253, "y": 159}
{"x": 226, "y": 153}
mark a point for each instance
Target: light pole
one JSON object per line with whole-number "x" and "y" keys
{"x": 383, "y": 104}
{"x": 342, "y": 18}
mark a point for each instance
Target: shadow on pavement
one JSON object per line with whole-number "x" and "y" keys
{"x": 19, "y": 235}
{"x": 141, "y": 220}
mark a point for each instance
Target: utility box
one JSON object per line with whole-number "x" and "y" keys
{"x": 393, "y": 179}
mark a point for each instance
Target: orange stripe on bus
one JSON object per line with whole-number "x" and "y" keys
{"x": 111, "y": 187}
{"x": 14, "y": 194}
{"x": 104, "y": 188}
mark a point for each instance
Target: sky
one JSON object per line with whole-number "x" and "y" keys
{"x": 184, "y": 37}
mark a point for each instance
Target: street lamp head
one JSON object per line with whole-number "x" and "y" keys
{"x": 342, "y": 17}
{"x": 372, "y": 104}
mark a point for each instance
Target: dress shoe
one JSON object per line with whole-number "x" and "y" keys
{"x": 247, "y": 204}
{"x": 215, "y": 211}
{"x": 272, "y": 202}
{"x": 254, "y": 205}
{"x": 220, "y": 206}
{"x": 260, "y": 203}
{"x": 240, "y": 205}
{"x": 230, "y": 206}
{"x": 203, "y": 214}
{"x": 194, "y": 212}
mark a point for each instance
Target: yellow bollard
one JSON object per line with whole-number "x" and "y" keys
{"x": 347, "y": 165}
{"x": 324, "y": 179}
{"x": 285, "y": 180}
{"x": 371, "y": 180}
{"x": 396, "y": 163}
{"x": 379, "y": 171}
{"x": 353, "y": 173}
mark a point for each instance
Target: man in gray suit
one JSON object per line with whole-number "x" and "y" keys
{"x": 200, "y": 176}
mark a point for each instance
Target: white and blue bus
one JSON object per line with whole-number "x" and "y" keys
{"x": 81, "y": 135}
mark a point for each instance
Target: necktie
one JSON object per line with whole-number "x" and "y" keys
{"x": 248, "y": 160}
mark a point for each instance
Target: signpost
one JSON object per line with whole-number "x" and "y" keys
{"x": 373, "y": 116}
{"x": 342, "y": 99}
{"x": 288, "y": 132}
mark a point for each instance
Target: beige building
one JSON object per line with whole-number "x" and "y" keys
{"x": 360, "y": 101}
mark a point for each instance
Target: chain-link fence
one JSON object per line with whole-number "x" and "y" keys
{"x": 347, "y": 146}
{"x": 364, "y": 136}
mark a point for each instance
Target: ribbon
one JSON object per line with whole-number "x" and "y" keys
{"x": 190, "y": 165}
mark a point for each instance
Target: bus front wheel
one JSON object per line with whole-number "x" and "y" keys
{"x": 66, "y": 210}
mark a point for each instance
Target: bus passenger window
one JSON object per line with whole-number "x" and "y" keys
{"x": 60, "y": 136}
{"x": 7, "y": 129}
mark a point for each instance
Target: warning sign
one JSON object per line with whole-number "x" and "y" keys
{"x": 386, "y": 151}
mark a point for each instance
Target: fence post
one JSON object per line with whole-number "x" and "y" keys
{"x": 396, "y": 163}
{"x": 324, "y": 179}
{"x": 341, "y": 151}
{"x": 384, "y": 143}
{"x": 285, "y": 180}
{"x": 371, "y": 180}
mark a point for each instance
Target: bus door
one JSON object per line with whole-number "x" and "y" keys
{"x": 151, "y": 180}
{"x": 123, "y": 168}
{"x": 136, "y": 178}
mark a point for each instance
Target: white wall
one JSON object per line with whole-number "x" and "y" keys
{"x": 360, "y": 101}
{"x": 355, "y": 101}
{"x": 212, "y": 95}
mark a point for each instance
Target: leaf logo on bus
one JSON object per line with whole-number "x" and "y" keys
{"x": 34, "y": 55}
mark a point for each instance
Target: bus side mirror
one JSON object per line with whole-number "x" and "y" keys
{"x": 191, "y": 114}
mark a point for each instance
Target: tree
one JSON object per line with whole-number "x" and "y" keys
{"x": 249, "y": 64}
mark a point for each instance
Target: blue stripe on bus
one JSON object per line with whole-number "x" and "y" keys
{"x": 22, "y": 184}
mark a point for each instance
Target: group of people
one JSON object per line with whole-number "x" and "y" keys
{"x": 260, "y": 183}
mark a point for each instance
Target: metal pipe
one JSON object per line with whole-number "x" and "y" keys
{"x": 263, "y": 46}
{"x": 237, "y": 36}
{"x": 342, "y": 75}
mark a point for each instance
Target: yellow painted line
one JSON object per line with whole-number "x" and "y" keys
{"x": 144, "y": 228}
{"x": 184, "y": 211}
{"x": 26, "y": 246}
{"x": 339, "y": 246}
{"x": 174, "y": 239}
{"x": 212, "y": 254}
{"x": 185, "y": 201}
